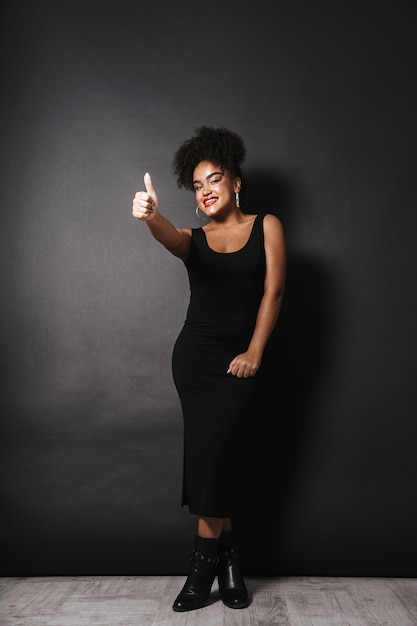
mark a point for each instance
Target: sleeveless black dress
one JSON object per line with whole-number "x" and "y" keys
{"x": 225, "y": 293}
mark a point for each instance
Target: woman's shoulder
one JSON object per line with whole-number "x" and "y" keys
{"x": 186, "y": 231}
{"x": 273, "y": 229}
{"x": 270, "y": 220}
{"x": 268, "y": 216}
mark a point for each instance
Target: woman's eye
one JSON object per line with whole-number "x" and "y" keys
{"x": 215, "y": 180}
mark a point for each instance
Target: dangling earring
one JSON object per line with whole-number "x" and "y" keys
{"x": 198, "y": 214}
{"x": 237, "y": 199}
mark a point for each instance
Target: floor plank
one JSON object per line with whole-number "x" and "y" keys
{"x": 147, "y": 601}
{"x": 406, "y": 592}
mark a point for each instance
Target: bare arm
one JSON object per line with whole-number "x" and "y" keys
{"x": 145, "y": 208}
{"x": 247, "y": 364}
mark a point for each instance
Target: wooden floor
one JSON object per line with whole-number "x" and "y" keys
{"x": 147, "y": 601}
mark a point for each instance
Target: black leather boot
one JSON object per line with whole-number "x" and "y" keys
{"x": 201, "y": 575}
{"x": 232, "y": 587}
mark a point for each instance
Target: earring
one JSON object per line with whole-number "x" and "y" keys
{"x": 198, "y": 214}
{"x": 237, "y": 199}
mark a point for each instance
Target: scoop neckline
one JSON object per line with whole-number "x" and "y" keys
{"x": 233, "y": 251}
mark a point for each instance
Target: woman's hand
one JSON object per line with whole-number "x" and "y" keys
{"x": 145, "y": 203}
{"x": 244, "y": 365}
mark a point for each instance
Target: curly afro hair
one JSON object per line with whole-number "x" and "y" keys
{"x": 218, "y": 145}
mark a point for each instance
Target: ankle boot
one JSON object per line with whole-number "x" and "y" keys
{"x": 201, "y": 575}
{"x": 232, "y": 587}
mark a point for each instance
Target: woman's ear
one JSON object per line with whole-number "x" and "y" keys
{"x": 237, "y": 185}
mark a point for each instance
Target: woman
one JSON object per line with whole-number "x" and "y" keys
{"x": 236, "y": 267}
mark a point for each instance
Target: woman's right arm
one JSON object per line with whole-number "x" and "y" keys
{"x": 145, "y": 208}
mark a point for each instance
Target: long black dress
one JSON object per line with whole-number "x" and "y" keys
{"x": 225, "y": 293}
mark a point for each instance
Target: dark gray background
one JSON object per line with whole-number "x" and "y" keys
{"x": 93, "y": 95}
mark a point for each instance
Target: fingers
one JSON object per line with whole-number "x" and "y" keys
{"x": 241, "y": 370}
{"x": 243, "y": 366}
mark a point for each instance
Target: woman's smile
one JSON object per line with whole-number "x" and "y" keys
{"x": 210, "y": 201}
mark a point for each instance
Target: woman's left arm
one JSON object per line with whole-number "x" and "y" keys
{"x": 247, "y": 364}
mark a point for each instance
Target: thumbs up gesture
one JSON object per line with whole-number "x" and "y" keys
{"x": 145, "y": 203}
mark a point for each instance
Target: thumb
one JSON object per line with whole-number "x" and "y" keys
{"x": 149, "y": 186}
{"x": 150, "y": 189}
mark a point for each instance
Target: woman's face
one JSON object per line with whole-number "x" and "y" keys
{"x": 214, "y": 188}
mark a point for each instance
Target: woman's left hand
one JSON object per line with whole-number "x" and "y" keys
{"x": 244, "y": 365}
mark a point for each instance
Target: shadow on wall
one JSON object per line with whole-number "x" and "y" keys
{"x": 293, "y": 365}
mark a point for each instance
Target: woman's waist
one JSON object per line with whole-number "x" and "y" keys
{"x": 231, "y": 327}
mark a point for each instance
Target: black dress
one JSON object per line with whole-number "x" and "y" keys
{"x": 225, "y": 293}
